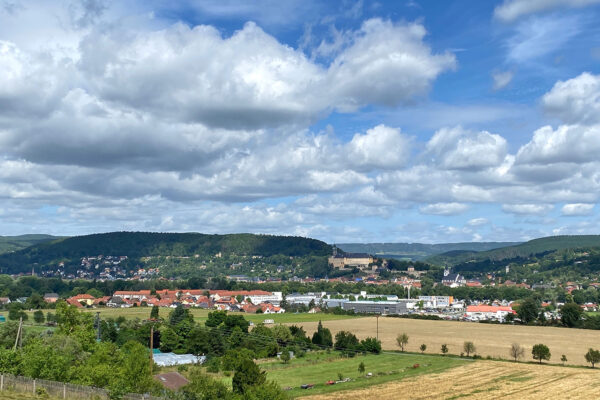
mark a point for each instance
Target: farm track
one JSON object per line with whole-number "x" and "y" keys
{"x": 486, "y": 380}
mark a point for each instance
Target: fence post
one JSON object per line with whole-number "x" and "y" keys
{"x": 1, "y": 382}
{"x": 34, "y": 386}
{"x": 64, "y": 390}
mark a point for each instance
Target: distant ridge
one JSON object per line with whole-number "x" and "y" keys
{"x": 14, "y": 243}
{"x": 142, "y": 244}
{"x": 532, "y": 247}
{"x": 419, "y": 251}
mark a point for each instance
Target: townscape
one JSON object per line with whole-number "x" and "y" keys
{"x": 272, "y": 200}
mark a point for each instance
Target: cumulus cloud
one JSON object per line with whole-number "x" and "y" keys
{"x": 527, "y": 209}
{"x": 575, "y": 101}
{"x": 511, "y": 10}
{"x": 456, "y": 148}
{"x": 380, "y": 147}
{"x": 578, "y": 209}
{"x": 251, "y": 80}
{"x": 566, "y": 144}
{"x": 444, "y": 209}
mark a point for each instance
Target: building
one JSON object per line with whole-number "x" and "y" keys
{"x": 379, "y": 307}
{"x": 51, "y": 297}
{"x": 453, "y": 280}
{"x": 351, "y": 260}
{"x": 484, "y": 312}
{"x": 171, "y": 380}
{"x": 436, "y": 301}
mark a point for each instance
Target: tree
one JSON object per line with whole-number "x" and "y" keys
{"x": 592, "y": 356}
{"x": 423, "y": 348}
{"x": 38, "y": 317}
{"x": 215, "y": 318}
{"x": 402, "y": 340}
{"x": 322, "y": 337}
{"x": 361, "y": 368}
{"x": 570, "y": 314}
{"x": 285, "y": 356}
{"x": 347, "y": 343}
{"x": 540, "y": 352}
{"x": 516, "y": 351}
{"x": 154, "y": 312}
{"x": 469, "y": 348}
{"x": 202, "y": 387}
{"x": 528, "y": 310}
{"x": 179, "y": 315}
{"x": 444, "y": 349}
{"x": 371, "y": 345}
{"x": 247, "y": 374}
{"x": 563, "y": 359}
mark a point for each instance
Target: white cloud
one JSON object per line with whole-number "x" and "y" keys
{"x": 541, "y": 36}
{"x": 575, "y": 101}
{"x": 511, "y": 10}
{"x": 456, "y": 148}
{"x": 502, "y": 79}
{"x": 381, "y": 147}
{"x": 578, "y": 209}
{"x": 477, "y": 221}
{"x": 566, "y": 144}
{"x": 527, "y": 209}
{"x": 444, "y": 209}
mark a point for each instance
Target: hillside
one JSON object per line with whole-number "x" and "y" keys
{"x": 14, "y": 243}
{"x": 136, "y": 245}
{"x": 419, "y": 251}
{"x": 523, "y": 250}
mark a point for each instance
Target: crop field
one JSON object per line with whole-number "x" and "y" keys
{"x": 318, "y": 368}
{"x": 490, "y": 339}
{"x": 486, "y": 380}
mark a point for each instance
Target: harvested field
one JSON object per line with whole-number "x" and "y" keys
{"x": 486, "y": 380}
{"x": 490, "y": 339}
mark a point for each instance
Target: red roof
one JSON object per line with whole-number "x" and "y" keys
{"x": 492, "y": 309}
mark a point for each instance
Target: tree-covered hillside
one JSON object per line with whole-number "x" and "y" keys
{"x": 523, "y": 250}
{"x": 14, "y": 243}
{"x": 136, "y": 245}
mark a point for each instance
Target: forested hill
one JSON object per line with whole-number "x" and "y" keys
{"x": 523, "y": 250}
{"x": 14, "y": 243}
{"x": 418, "y": 251}
{"x": 143, "y": 244}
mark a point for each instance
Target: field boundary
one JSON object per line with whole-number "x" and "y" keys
{"x": 61, "y": 390}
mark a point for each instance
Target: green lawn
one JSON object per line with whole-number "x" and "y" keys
{"x": 320, "y": 367}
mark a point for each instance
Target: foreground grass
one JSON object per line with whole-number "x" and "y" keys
{"x": 318, "y": 368}
{"x": 19, "y": 396}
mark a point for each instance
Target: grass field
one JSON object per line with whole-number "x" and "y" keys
{"x": 486, "y": 380}
{"x": 19, "y": 396}
{"x": 318, "y": 368}
{"x": 489, "y": 339}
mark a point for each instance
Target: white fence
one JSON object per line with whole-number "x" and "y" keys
{"x": 22, "y": 384}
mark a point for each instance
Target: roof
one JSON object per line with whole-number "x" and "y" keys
{"x": 492, "y": 309}
{"x": 51, "y": 295}
{"x": 171, "y": 380}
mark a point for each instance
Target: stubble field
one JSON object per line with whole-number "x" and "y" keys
{"x": 490, "y": 339}
{"x": 486, "y": 380}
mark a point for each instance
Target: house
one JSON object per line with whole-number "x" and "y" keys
{"x": 51, "y": 298}
{"x": 4, "y": 300}
{"x": 453, "y": 280}
{"x": 485, "y": 312}
{"x": 350, "y": 260}
{"x": 171, "y": 380}
{"x": 86, "y": 299}
{"x": 268, "y": 308}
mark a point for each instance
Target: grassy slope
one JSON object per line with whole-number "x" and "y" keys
{"x": 320, "y": 367}
{"x": 535, "y": 246}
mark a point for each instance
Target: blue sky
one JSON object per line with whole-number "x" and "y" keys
{"x": 347, "y": 121}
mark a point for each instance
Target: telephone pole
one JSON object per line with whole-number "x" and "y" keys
{"x": 151, "y": 347}
{"x": 19, "y": 334}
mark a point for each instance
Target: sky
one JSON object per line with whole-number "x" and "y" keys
{"x": 346, "y": 121}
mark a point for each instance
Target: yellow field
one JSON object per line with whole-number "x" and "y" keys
{"x": 489, "y": 339}
{"x": 486, "y": 380}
